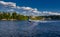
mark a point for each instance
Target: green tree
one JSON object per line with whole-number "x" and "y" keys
{"x": 14, "y": 15}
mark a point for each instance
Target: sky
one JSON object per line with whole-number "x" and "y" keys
{"x": 50, "y": 5}
{"x": 34, "y": 7}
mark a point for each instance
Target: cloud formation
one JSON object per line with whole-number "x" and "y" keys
{"x": 10, "y": 6}
{"x": 8, "y": 3}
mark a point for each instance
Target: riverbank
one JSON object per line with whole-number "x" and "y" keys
{"x": 16, "y": 16}
{"x": 8, "y": 19}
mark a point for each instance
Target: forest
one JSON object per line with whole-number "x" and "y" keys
{"x": 16, "y": 16}
{"x": 12, "y": 16}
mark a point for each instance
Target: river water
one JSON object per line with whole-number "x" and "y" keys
{"x": 29, "y": 29}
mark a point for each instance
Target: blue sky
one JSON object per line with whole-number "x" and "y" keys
{"x": 42, "y": 5}
{"x": 31, "y": 7}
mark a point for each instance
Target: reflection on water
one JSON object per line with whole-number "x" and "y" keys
{"x": 29, "y": 29}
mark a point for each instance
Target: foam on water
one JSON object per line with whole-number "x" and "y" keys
{"x": 44, "y": 21}
{"x": 33, "y": 25}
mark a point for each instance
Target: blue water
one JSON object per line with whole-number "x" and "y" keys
{"x": 29, "y": 29}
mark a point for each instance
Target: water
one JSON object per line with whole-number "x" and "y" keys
{"x": 29, "y": 29}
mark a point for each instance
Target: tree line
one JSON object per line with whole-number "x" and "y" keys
{"x": 16, "y": 16}
{"x": 12, "y": 15}
{"x": 51, "y": 17}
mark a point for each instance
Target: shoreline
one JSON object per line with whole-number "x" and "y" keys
{"x": 11, "y": 20}
{"x": 27, "y": 20}
{"x": 8, "y": 19}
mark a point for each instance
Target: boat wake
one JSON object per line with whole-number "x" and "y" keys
{"x": 44, "y": 21}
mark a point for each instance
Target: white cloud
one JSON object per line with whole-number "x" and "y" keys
{"x": 8, "y": 3}
{"x": 25, "y": 10}
{"x": 50, "y": 13}
{"x": 13, "y": 5}
{"x": 10, "y": 10}
{"x": 18, "y": 7}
